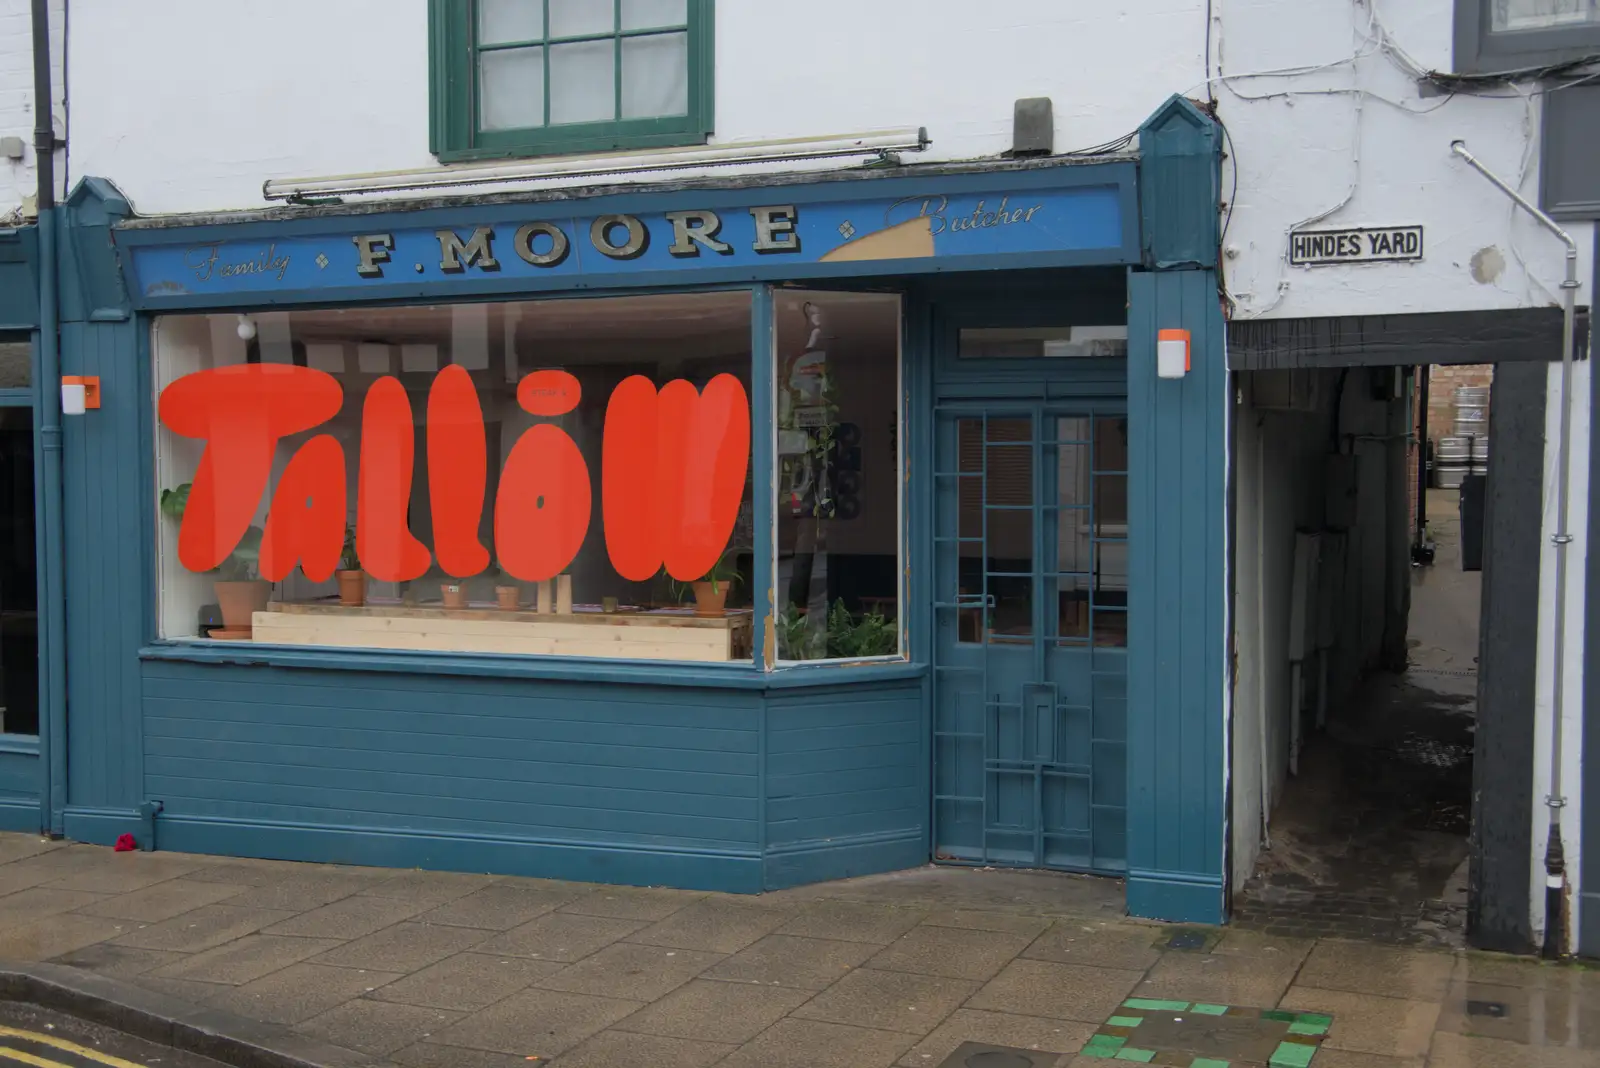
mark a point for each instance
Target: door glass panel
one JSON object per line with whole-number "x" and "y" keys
{"x": 1111, "y": 506}
{"x": 1110, "y": 443}
{"x": 1009, "y": 534}
{"x": 16, "y": 364}
{"x": 19, "y": 633}
{"x": 1072, "y": 608}
{"x": 1034, "y": 343}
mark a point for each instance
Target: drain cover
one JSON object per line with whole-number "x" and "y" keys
{"x": 979, "y": 1055}
{"x": 1497, "y": 1009}
{"x": 1187, "y": 940}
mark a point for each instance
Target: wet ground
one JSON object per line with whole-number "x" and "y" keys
{"x": 928, "y": 968}
{"x": 44, "y": 1039}
{"x": 1370, "y": 839}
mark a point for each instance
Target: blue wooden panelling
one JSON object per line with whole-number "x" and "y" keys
{"x": 108, "y": 513}
{"x": 19, "y": 783}
{"x": 634, "y": 784}
{"x": 19, "y": 278}
{"x": 1180, "y": 153}
{"x": 1177, "y": 458}
{"x": 846, "y": 783}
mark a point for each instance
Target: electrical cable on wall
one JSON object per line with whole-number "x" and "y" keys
{"x": 1375, "y": 39}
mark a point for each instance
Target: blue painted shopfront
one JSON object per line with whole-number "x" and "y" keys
{"x": 1041, "y": 751}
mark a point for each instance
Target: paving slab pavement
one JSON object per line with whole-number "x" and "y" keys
{"x": 440, "y": 970}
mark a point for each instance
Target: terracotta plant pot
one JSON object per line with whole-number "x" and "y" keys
{"x": 710, "y": 598}
{"x": 510, "y": 597}
{"x": 455, "y": 595}
{"x": 352, "y": 588}
{"x": 240, "y": 601}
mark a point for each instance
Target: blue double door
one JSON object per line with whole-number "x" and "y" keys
{"x": 1031, "y": 627}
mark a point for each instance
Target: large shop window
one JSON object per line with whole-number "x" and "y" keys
{"x": 560, "y": 477}
{"x": 839, "y": 502}
{"x": 531, "y": 77}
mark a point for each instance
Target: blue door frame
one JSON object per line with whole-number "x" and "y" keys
{"x": 1030, "y": 665}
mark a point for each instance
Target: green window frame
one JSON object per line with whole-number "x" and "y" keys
{"x": 455, "y": 133}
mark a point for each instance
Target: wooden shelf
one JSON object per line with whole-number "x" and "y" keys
{"x": 669, "y": 634}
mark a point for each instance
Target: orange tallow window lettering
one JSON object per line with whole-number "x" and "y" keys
{"x": 673, "y": 468}
{"x": 389, "y": 551}
{"x": 458, "y": 468}
{"x": 549, "y": 393}
{"x": 541, "y": 512}
{"x": 241, "y": 412}
{"x": 306, "y": 521}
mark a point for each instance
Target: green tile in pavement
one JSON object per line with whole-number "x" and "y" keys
{"x": 1143, "y": 1056}
{"x": 1292, "y": 1055}
{"x": 1155, "y": 1003}
{"x": 1125, "y": 1021}
{"x": 1208, "y": 1010}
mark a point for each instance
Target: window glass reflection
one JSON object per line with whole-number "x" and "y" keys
{"x": 839, "y": 475}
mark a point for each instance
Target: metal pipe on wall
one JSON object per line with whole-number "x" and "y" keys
{"x": 52, "y": 593}
{"x": 1555, "y": 866}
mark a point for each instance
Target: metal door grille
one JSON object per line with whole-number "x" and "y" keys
{"x": 1030, "y": 607}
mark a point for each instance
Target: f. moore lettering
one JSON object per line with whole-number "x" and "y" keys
{"x": 1364, "y": 244}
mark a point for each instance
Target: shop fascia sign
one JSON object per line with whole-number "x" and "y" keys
{"x": 759, "y": 239}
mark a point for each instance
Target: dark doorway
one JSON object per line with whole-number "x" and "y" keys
{"x": 19, "y": 576}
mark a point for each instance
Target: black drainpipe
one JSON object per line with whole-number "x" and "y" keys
{"x": 52, "y": 599}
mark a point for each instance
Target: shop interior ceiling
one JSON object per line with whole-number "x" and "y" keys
{"x": 717, "y": 321}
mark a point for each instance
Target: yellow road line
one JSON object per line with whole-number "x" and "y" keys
{"x": 61, "y": 1044}
{"x": 9, "y": 1054}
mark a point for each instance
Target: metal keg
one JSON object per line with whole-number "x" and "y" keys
{"x": 1452, "y": 461}
{"x": 1472, "y": 410}
{"x": 1480, "y": 470}
{"x": 1480, "y": 450}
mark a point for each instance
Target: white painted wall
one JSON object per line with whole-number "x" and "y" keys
{"x": 18, "y": 180}
{"x": 1572, "y": 667}
{"x": 1349, "y": 141}
{"x": 231, "y": 93}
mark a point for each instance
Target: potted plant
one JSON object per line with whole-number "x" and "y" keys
{"x": 241, "y": 591}
{"x": 508, "y": 592}
{"x": 455, "y": 594}
{"x": 711, "y": 589}
{"x": 352, "y": 580}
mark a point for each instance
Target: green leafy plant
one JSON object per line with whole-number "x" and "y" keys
{"x": 349, "y": 560}
{"x": 850, "y": 638}
{"x": 723, "y": 571}
{"x": 797, "y": 639}
{"x": 241, "y": 564}
{"x": 843, "y": 636}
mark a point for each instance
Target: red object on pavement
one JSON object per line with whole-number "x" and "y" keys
{"x": 125, "y": 844}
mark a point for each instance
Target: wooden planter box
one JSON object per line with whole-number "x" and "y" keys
{"x": 658, "y": 635}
